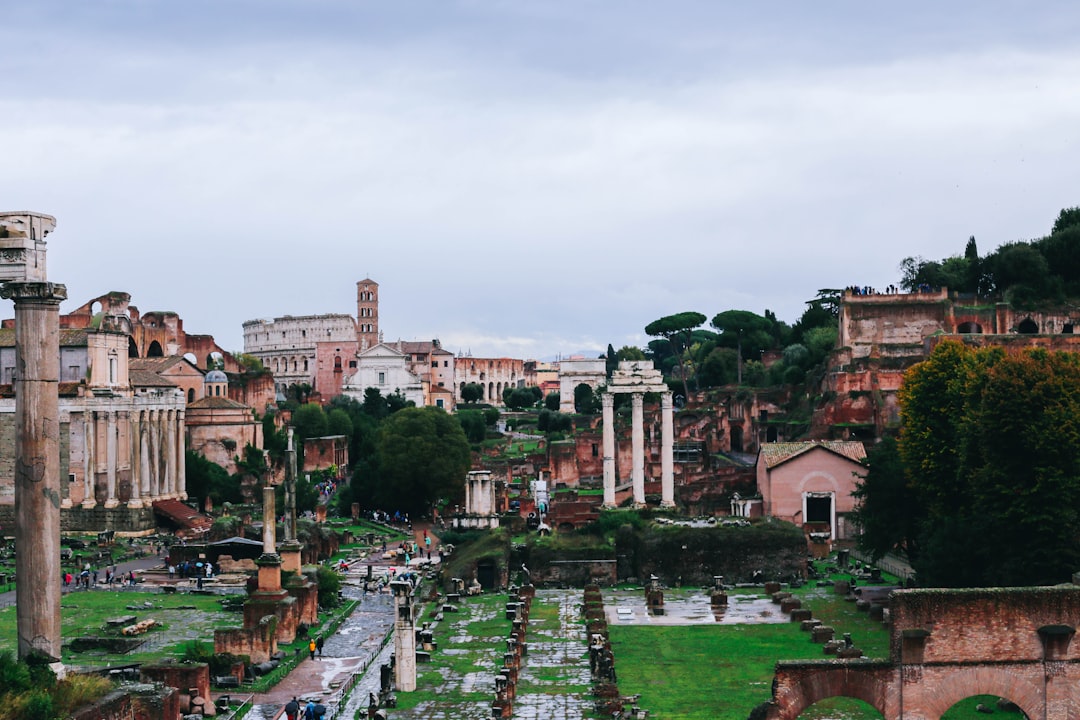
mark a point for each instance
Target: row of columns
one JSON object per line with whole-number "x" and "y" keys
{"x": 637, "y": 448}
{"x": 154, "y": 444}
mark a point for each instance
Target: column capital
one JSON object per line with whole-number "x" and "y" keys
{"x": 41, "y": 292}
{"x": 666, "y": 402}
{"x": 607, "y": 400}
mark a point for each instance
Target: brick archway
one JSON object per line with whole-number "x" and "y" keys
{"x": 945, "y": 688}
{"x": 947, "y": 645}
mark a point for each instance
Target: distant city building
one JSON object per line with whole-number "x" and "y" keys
{"x": 313, "y": 350}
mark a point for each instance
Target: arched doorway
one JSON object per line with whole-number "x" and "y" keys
{"x": 969, "y": 328}
{"x": 736, "y": 439}
{"x": 1027, "y": 326}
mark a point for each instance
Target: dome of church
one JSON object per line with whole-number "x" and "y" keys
{"x": 216, "y": 376}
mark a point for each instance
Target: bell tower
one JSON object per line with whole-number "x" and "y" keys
{"x": 367, "y": 314}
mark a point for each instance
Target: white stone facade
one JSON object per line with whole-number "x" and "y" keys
{"x": 386, "y": 369}
{"x": 574, "y": 372}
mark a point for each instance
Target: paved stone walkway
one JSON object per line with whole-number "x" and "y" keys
{"x": 554, "y": 683}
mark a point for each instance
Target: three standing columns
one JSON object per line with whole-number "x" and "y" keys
{"x": 637, "y": 439}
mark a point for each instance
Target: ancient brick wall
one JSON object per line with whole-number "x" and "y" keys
{"x": 134, "y": 702}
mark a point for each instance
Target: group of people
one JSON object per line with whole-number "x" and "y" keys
{"x": 310, "y": 711}
{"x": 88, "y": 577}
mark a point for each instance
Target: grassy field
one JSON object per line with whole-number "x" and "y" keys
{"x": 717, "y": 672}
{"x": 83, "y": 614}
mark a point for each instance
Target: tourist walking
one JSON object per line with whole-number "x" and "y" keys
{"x": 311, "y": 648}
{"x": 319, "y": 644}
{"x": 292, "y": 709}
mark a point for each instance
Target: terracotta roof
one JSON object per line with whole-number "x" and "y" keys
{"x": 68, "y": 337}
{"x": 147, "y": 378}
{"x": 776, "y": 453}
{"x": 158, "y": 364}
{"x": 216, "y": 403}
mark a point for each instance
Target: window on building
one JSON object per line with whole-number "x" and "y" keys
{"x": 191, "y": 395}
{"x": 438, "y": 403}
{"x": 352, "y": 364}
{"x": 446, "y": 363}
{"x": 382, "y": 378}
{"x": 595, "y": 450}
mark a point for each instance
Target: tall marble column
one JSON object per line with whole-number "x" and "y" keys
{"x": 181, "y": 459}
{"x": 89, "y": 459}
{"x": 607, "y": 400}
{"x": 637, "y": 440}
{"x": 111, "y": 455}
{"x": 37, "y": 465}
{"x": 291, "y": 548}
{"x": 169, "y": 488}
{"x": 667, "y": 463}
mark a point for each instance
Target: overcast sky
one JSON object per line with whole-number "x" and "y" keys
{"x": 527, "y": 179}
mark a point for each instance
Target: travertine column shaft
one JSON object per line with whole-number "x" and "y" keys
{"x": 269, "y": 547}
{"x": 637, "y": 439}
{"x": 37, "y": 465}
{"x": 667, "y": 463}
{"x": 170, "y": 453}
{"x": 181, "y": 458}
{"x": 290, "y": 487}
{"x": 607, "y": 400}
{"x": 89, "y": 459}
{"x": 111, "y": 456}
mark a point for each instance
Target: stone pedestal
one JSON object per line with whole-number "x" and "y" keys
{"x": 404, "y": 637}
{"x": 290, "y": 551}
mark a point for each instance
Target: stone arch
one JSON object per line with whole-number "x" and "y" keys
{"x": 969, "y": 328}
{"x": 1027, "y": 326}
{"x": 801, "y": 685}
{"x": 133, "y": 348}
{"x": 491, "y": 392}
{"x": 963, "y": 682}
{"x": 154, "y": 350}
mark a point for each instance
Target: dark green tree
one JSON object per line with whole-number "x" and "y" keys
{"x": 423, "y": 456}
{"x": 989, "y": 483}
{"x": 551, "y": 402}
{"x": 585, "y": 400}
{"x": 472, "y": 393}
{"x": 677, "y": 330}
{"x": 472, "y": 423}
{"x": 612, "y": 360}
{"x": 206, "y": 479}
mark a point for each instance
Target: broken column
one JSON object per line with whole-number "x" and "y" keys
{"x": 37, "y": 430}
{"x": 404, "y": 637}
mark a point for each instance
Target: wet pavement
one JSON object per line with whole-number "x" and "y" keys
{"x": 690, "y": 607}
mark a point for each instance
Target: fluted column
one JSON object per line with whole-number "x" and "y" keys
{"x": 37, "y": 465}
{"x": 607, "y": 400}
{"x": 667, "y": 463}
{"x": 637, "y": 440}
{"x": 153, "y": 433}
{"x": 110, "y": 459}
